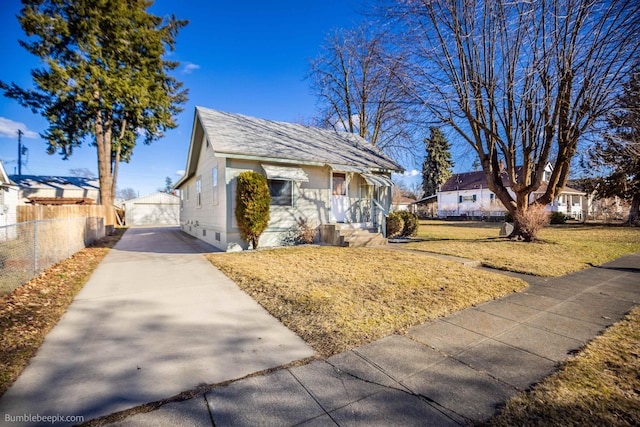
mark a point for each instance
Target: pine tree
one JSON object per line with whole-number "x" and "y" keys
{"x": 104, "y": 79}
{"x": 619, "y": 153}
{"x": 437, "y": 165}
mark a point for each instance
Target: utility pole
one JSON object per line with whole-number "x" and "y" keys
{"x": 20, "y": 133}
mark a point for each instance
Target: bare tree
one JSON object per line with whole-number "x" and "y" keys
{"x": 520, "y": 81}
{"x": 356, "y": 81}
{"x": 82, "y": 172}
{"x": 127, "y": 193}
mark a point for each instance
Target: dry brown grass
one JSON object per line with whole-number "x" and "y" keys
{"x": 29, "y": 312}
{"x": 561, "y": 250}
{"x": 599, "y": 387}
{"x": 339, "y": 298}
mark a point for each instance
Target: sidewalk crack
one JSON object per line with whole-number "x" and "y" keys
{"x": 403, "y": 389}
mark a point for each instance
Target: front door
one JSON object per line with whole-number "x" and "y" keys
{"x": 339, "y": 199}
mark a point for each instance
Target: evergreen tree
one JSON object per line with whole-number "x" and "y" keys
{"x": 253, "y": 206}
{"x": 436, "y": 169}
{"x": 104, "y": 78}
{"x": 619, "y": 153}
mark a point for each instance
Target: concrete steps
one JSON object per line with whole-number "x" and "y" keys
{"x": 351, "y": 235}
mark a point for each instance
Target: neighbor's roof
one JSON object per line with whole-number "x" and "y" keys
{"x": 237, "y": 135}
{"x": 476, "y": 180}
{"x": 56, "y": 182}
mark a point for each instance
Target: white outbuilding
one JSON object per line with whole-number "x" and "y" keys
{"x": 154, "y": 209}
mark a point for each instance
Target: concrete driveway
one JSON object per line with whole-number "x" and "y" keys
{"x": 155, "y": 319}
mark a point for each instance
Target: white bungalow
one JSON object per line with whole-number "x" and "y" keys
{"x": 326, "y": 179}
{"x": 467, "y": 195}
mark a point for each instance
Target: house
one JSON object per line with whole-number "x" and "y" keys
{"x": 316, "y": 176}
{"x": 154, "y": 209}
{"x": 56, "y": 190}
{"x": 467, "y": 195}
{"x": 427, "y": 207}
{"x": 403, "y": 203}
{"x": 8, "y": 201}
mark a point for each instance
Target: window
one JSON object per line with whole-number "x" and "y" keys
{"x": 492, "y": 198}
{"x": 199, "y": 191}
{"x": 546, "y": 176}
{"x": 281, "y": 192}
{"x": 339, "y": 184}
{"x": 214, "y": 184}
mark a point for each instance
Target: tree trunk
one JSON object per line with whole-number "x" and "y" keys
{"x": 103, "y": 146}
{"x": 519, "y": 230}
{"x": 634, "y": 213}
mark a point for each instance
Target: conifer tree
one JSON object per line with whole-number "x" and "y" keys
{"x": 437, "y": 165}
{"x": 104, "y": 78}
{"x": 619, "y": 153}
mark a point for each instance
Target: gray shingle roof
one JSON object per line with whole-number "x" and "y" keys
{"x": 243, "y": 135}
{"x": 56, "y": 182}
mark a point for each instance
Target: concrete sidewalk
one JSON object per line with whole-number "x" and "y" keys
{"x": 452, "y": 371}
{"x": 155, "y": 319}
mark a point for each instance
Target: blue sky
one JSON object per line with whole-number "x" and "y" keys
{"x": 247, "y": 57}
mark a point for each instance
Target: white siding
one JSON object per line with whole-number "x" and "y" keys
{"x": 155, "y": 209}
{"x": 8, "y": 203}
{"x": 476, "y": 202}
{"x": 206, "y": 221}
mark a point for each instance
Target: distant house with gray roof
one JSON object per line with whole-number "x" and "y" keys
{"x": 468, "y": 195}
{"x": 56, "y": 190}
{"x": 317, "y": 176}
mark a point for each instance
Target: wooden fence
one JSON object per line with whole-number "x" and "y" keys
{"x": 41, "y": 212}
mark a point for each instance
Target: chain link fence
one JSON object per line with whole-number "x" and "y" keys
{"x": 28, "y": 248}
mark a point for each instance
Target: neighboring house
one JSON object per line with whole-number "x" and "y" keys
{"x": 155, "y": 209}
{"x": 467, "y": 195}
{"x": 315, "y": 176}
{"x": 8, "y": 200}
{"x": 56, "y": 190}
{"x": 403, "y": 203}
{"x": 427, "y": 207}
{"x": 605, "y": 209}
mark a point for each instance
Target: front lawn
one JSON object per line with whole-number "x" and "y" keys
{"x": 561, "y": 250}
{"x": 339, "y": 298}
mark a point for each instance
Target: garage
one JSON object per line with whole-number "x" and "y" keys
{"x": 155, "y": 209}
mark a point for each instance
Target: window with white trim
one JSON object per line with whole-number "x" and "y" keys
{"x": 214, "y": 184}
{"x": 199, "y": 191}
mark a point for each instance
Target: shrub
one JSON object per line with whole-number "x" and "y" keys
{"x": 508, "y": 217}
{"x": 395, "y": 224}
{"x": 531, "y": 221}
{"x": 410, "y": 227}
{"x": 305, "y": 233}
{"x": 558, "y": 218}
{"x": 252, "y": 206}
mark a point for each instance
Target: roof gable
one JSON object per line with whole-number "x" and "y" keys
{"x": 236, "y": 135}
{"x": 4, "y": 178}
